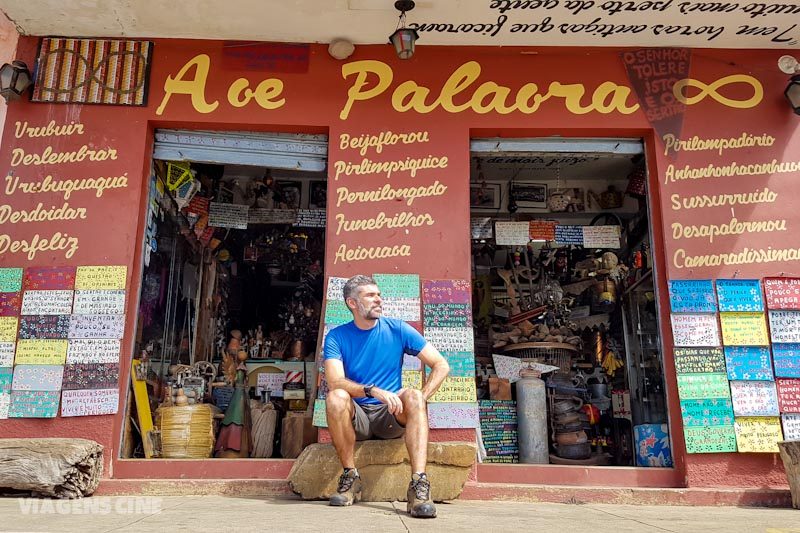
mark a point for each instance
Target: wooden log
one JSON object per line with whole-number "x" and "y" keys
{"x": 790, "y": 454}
{"x": 60, "y": 468}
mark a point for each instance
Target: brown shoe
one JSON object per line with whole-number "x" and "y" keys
{"x": 419, "y": 500}
{"x": 349, "y": 490}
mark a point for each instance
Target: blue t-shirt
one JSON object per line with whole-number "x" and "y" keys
{"x": 374, "y": 356}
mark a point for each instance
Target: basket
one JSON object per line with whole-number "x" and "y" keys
{"x": 551, "y": 353}
{"x": 187, "y": 432}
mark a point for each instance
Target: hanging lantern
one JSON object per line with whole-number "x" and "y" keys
{"x": 793, "y": 93}
{"x": 15, "y": 78}
{"x": 404, "y": 39}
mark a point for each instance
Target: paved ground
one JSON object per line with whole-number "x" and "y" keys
{"x": 221, "y": 513}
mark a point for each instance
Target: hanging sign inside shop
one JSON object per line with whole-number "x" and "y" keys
{"x": 692, "y": 296}
{"x": 44, "y": 327}
{"x": 259, "y": 215}
{"x": 758, "y": 433}
{"x": 754, "y": 398}
{"x": 707, "y": 412}
{"x": 695, "y": 330}
{"x": 232, "y": 216}
{"x": 744, "y": 329}
{"x": 101, "y": 277}
{"x": 782, "y": 293}
{"x": 542, "y": 230}
{"x": 49, "y": 278}
{"x": 273, "y": 382}
{"x": 788, "y": 395}
{"x": 96, "y": 326}
{"x": 7, "y": 350}
{"x": 41, "y": 352}
{"x": 601, "y": 237}
{"x": 10, "y": 279}
{"x": 91, "y": 376}
{"x": 511, "y": 233}
{"x": 697, "y": 386}
{"x": 748, "y": 363}
{"x": 710, "y": 439}
{"x": 47, "y": 302}
{"x": 38, "y": 377}
{"x": 785, "y": 326}
{"x": 786, "y": 360}
{"x": 93, "y": 351}
{"x": 453, "y": 415}
{"x": 398, "y": 285}
{"x": 481, "y": 228}
{"x": 310, "y": 218}
{"x": 569, "y": 235}
{"x": 34, "y": 404}
{"x": 99, "y": 302}
{"x": 699, "y": 360}
{"x": 743, "y": 295}
{"x": 791, "y": 426}
{"x": 10, "y": 303}
{"x": 89, "y": 402}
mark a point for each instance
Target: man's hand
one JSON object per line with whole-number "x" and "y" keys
{"x": 391, "y": 399}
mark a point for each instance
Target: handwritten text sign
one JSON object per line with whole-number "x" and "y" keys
{"x": 10, "y": 303}
{"x": 758, "y": 433}
{"x": 310, "y": 218}
{"x": 462, "y": 364}
{"x": 6, "y": 377}
{"x": 41, "y": 352}
{"x": 785, "y": 326}
{"x": 754, "y": 398}
{"x": 407, "y": 309}
{"x": 49, "y": 278}
{"x": 451, "y": 339}
{"x": 692, "y": 296}
{"x": 699, "y": 360}
{"x": 33, "y": 404}
{"x": 320, "y": 417}
{"x": 742, "y": 295}
{"x": 91, "y": 376}
{"x": 47, "y": 302}
{"x": 273, "y": 382}
{"x": 99, "y": 302}
{"x": 398, "y": 285}
{"x": 695, "y": 330}
{"x": 511, "y": 233}
{"x": 7, "y": 350}
{"x": 744, "y": 329}
{"x": 412, "y": 379}
{"x": 10, "y": 279}
{"x": 707, "y": 412}
{"x": 481, "y": 228}
{"x": 748, "y": 363}
{"x": 96, "y": 326}
{"x": 44, "y": 327}
{"x": 446, "y": 291}
{"x": 337, "y": 313}
{"x": 455, "y": 389}
{"x": 786, "y": 358}
{"x": 259, "y": 215}
{"x": 101, "y": 277}
{"x": 38, "y": 377}
{"x": 542, "y": 230}
{"x": 8, "y": 328}
{"x": 569, "y": 235}
{"x": 448, "y": 315}
{"x": 788, "y": 395}
{"x": 5, "y": 404}
{"x": 601, "y": 237}
{"x": 232, "y": 216}
{"x": 335, "y": 288}
{"x": 93, "y": 351}
{"x": 782, "y": 293}
{"x": 697, "y": 386}
{"x": 89, "y": 402}
{"x": 710, "y": 439}
{"x": 791, "y": 426}
{"x": 453, "y": 415}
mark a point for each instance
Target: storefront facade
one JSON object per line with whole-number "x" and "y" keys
{"x": 738, "y": 138}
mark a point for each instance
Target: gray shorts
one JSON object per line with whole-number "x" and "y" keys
{"x": 375, "y": 422}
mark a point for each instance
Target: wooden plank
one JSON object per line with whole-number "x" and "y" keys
{"x": 142, "y": 409}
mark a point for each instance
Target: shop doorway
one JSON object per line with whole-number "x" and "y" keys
{"x": 229, "y": 309}
{"x": 564, "y": 285}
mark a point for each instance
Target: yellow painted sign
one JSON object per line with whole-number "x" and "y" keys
{"x": 456, "y": 389}
{"x": 744, "y": 329}
{"x": 758, "y": 433}
{"x": 41, "y": 352}
{"x": 101, "y": 277}
{"x": 412, "y": 379}
{"x": 8, "y": 328}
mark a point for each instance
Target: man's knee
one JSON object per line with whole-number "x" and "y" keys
{"x": 338, "y": 401}
{"x": 413, "y": 399}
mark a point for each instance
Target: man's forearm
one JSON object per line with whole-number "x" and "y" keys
{"x": 355, "y": 390}
{"x": 435, "y": 379}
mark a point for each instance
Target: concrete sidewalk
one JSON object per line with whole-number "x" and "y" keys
{"x": 221, "y": 513}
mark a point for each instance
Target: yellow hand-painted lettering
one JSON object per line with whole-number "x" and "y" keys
{"x": 712, "y": 91}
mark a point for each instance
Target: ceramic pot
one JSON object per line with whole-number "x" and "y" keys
{"x": 574, "y": 451}
{"x": 567, "y": 405}
{"x": 568, "y": 418}
{"x": 573, "y": 437}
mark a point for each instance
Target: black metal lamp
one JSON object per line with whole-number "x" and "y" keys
{"x": 404, "y": 39}
{"x": 15, "y": 78}
{"x": 792, "y": 93}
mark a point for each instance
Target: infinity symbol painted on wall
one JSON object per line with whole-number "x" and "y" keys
{"x": 91, "y": 74}
{"x": 712, "y": 91}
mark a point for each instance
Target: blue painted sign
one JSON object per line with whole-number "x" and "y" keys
{"x": 748, "y": 363}
{"x": 692, "y": 296}
{"x": 569, "y": 235}
{"x": 739, "y": 295}
{"x": 787, "y": 360}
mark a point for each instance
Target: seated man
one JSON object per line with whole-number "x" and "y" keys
{"x": 363, "y": 367}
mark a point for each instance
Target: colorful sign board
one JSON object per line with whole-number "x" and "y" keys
{"x": 739, "y": 295}
{"x": 707, "y": 412}
{"x": 748, "y": 363}
{"x": 692, "y": 296}
{"x": 754, "y": 398}
{"x": 782, "y": 293}
{"x": 697, "y": 386}
{"x": 744, "y": 329}
{"x": 786, "y": 358}
{"x": 692, "y": 330}
{"x": 759, "y": 434}
{"x": 785, "y": 326}
{"x": 699, "y": 360}
{"x": 710, "y": 439}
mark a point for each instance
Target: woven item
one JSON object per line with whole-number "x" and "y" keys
{"x": 551, "y": 353}
{"x": 187, "y": 432}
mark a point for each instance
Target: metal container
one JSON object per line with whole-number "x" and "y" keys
{"x": 532, "y": 420}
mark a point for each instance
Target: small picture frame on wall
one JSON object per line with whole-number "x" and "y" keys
{"x": 484, "y": 195}
{"x": 530, "y": 195}
{"x": 289, "y": 194}
{"x": 317, "y": 194}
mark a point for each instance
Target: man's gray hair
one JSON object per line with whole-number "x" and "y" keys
{"x": 350, "y": 289}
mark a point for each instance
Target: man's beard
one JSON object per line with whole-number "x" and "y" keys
{"x": 370, "y": 314}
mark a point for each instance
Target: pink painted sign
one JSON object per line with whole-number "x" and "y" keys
{"x": 788, "y": 395}
{"x": 782, "y": 293}
{"x": 49, "y": 278}
{"x": 446, "y": 291}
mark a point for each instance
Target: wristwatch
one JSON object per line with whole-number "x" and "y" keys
{"x": 368, "y": 390}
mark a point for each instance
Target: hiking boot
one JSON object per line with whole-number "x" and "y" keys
{"x": 419, "y": 503}
{"x": 349, "y": 490}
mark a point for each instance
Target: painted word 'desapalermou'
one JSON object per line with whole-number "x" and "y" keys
{"x": 696, "y": 144}
{"x": 673, "y": 175}
{"x": 67, "y": 186}
{"x": 732, "y": 227}
{"x": 389, "y": 193}
{"x": 368, "y": 166}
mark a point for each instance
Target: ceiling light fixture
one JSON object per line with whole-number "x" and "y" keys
{"x": 15, "y": 78}
{"x": 403, "y": 39}
{"x": 790, "y": 65}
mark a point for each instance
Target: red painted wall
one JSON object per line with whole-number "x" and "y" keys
{"x": 315, "y": 96}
